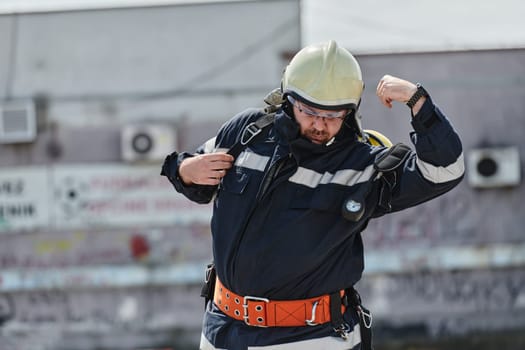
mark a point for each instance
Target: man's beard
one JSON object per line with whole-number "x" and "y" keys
{"x": 316, "y": 136}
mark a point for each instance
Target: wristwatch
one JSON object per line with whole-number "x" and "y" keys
{"x": 420, "y": 92}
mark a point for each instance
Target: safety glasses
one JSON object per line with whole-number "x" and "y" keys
{"x": 334, "y": 116}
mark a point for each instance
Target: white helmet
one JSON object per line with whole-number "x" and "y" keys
{"x": 326, "y": 76}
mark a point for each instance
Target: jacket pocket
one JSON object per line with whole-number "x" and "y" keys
{"x": 326, "y": 198}
{"x": 235, "y": 182}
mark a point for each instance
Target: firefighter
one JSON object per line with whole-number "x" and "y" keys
{"x": 292, "y": 194}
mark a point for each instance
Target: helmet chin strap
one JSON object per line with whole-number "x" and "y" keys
{"x": 353, "y": 121}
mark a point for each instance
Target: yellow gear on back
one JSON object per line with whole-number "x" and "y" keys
{"x": 375, "y": 138}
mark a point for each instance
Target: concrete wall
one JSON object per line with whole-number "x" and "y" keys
{"x": 116, "y": 65}
{"x": 91, "y": 73}
{"x": 483, "y": 94}
{"x": 452, "y": 267}
{"x": 459, "y": 266}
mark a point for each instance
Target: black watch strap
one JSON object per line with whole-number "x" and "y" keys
{"x": 420, "y": 92}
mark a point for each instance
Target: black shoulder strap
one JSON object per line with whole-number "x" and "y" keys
{"x": 252, "y": 132}
{"x": 392, "y": 158}
{"x": 386, "y": 163}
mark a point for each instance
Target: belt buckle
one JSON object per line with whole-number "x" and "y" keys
{"x": 245, "y": 307}
{"x": 253, "y": 130}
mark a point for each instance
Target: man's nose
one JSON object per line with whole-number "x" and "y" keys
{"x": 318, "y": 123}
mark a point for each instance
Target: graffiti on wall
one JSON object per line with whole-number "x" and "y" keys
{"x": 123, "y": 319}
{"x": 445, "y": 303}
{"x": 481, "y": 299}
{"x": 182, "y": 243}
{"x": 174, "y": 306}
{"x": 460, "y": 217}
{"x": 119, "y": 195}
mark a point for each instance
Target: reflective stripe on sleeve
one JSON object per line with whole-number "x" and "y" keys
{"x": 209, "y": 146}
{"x": 252, "y": 160}
{"x": 439, "y": 174}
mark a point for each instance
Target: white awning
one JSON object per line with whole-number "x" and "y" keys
{"x": 28, "y": 6}
{"x": 384, "y": 26}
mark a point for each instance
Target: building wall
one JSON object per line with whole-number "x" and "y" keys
{"x": 92, "y": 70}
{"x": 110, "y": 257}
{"x": 455, "y": 263}
{"x": 86, "y": 261}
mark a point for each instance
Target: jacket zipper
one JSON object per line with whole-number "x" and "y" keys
{"x": 263, "y": 188}
{"x": 270, "y": 176}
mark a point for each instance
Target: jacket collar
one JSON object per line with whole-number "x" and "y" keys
{"x": 288, "y": 131}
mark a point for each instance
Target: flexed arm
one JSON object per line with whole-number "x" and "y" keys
{"x": 437, "y": 164}
{"x": 391, "y": 89}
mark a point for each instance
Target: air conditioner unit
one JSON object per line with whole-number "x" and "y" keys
{"x": 494, "y": 167}
{"x": 150, "y": 142}
{"x": 17, "y": 122}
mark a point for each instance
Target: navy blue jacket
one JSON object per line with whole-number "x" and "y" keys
{"x": 277, "y": 226}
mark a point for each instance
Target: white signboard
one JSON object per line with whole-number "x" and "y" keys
{"x": 119, "y": 195}
{"x": 86, "y": 196}
{"x": 24, "y": 198}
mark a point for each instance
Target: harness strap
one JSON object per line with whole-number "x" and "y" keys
{"x": 392, "y": 158}
{"x": 209, "y": 284}
{"x": 336, "y": 305}
{"x": 251, "y": 133}
{"x": 365, "y": 318}
{"x": 262, "y": 312}
{"x": 365, "y": 324}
